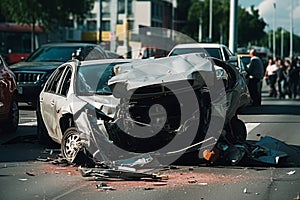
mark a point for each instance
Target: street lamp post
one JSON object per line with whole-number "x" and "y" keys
{"x": 233, "y": 26}
{"x": 274, "y": 24}
{"x": 210, "y": 20}
{"x": 282, "y": 42}
{"x": 200, "y": 30}
{"x": 291, "y": 30}
{"x": 100, "y": 21}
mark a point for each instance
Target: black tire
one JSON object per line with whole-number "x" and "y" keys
{"x": 10, "y": 125}
{"x": 70, "y": 144}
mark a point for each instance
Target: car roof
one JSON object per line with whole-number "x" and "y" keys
{"x": 65, "y": 44}
{"x": 103, "y": 61}
{"x": 201, "y": 45}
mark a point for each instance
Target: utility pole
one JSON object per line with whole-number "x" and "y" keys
{"x": 125, "y": 24}
{"x": 282, "y": 43}
{"x": 274, "y": 24}
{"x": 113, "y": 23}
{"x": 174, "y": 6}
{"x": 291, "y": 30}
{"x": 210, "y": 20}
{"x": 200, "y": 30}
{"x": 233, "y": 26}
{"x": 100, "y": 21}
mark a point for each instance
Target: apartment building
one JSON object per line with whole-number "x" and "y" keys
{"x": 119, "y": 16}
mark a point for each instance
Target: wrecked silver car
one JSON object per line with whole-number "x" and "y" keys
{"x": 115, "y": 109}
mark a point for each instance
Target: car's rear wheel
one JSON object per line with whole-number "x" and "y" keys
{"x": 11, "y": 124}
{"x": 71, "y": 144}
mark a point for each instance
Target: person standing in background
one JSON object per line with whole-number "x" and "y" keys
{"x": 255, "y": 71}
{"x": 294, "y": 79}
{"x": 281, "y": 79}
{"x": 271, "y": 77}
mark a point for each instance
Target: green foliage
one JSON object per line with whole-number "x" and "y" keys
{"x": 250, "y": 27}
{"x": 248, "y": 23}
{"x": 46, "y": 13}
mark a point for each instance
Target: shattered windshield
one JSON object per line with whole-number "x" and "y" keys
{"x": 93, "y": 79}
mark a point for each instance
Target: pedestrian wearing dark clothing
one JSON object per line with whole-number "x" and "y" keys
{"x": 255, "y": 73}
{"x": 293, "y": 80}
{"x": 287, "y": 85}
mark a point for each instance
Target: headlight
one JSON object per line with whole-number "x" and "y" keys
{"x": 221, "y": 74}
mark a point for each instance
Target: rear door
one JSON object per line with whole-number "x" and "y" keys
{"x": 49, "y": 98}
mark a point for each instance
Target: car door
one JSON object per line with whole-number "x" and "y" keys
{"x": 48, "y": 101}
{"x": 61, "y": 100}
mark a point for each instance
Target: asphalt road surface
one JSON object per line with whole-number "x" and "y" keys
{"x": 23, "y": 176}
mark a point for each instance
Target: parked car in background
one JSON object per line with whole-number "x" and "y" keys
{"x": 9, "y": 112}
{"x": 239, "y": 63}
{"x": 219, "y": 51}
{"x": 32, "y": 73}
{"x": 93, "y": 106}
{"x": 245, "y": 58}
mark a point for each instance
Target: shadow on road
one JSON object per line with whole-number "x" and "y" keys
{"x": 25, "y": 147}
{"x": 22, "y": 146}
{"x": 271, "y": 110}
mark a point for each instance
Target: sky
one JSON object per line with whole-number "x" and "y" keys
{"x": 282, "y": 12}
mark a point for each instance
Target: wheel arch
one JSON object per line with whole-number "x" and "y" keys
{"x": 66, "y": 121}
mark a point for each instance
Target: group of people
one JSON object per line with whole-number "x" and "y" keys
{"x": 282, "y": 78}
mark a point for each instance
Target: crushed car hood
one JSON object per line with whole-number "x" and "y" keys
{"x": 161, "y": 71}
{"x": 106, "y": 103}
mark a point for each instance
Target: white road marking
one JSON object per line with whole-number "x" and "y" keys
{"x": 34, "y": 123}
{"x": 251, "y": 126}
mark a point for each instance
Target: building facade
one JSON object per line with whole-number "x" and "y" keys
{"x": 119, "y": 16}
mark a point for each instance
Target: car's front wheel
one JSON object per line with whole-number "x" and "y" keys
{"x": 71, "y": 144}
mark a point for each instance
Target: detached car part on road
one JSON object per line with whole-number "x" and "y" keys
{"x": 113, "y": 108}
{"x": 9, "y": 111}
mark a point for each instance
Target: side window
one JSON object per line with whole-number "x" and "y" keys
{"x": 226, "y": 55}
{"x": 65, "y": 86}
{"x": 55, "y": 78}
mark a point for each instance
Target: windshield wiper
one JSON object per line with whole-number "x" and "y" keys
{"x": 103, "y": 93}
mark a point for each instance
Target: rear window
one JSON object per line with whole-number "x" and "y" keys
{"x": 187, "y": 51}
{"x": 213, "y": 52}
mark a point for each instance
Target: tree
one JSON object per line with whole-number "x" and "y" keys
{"x": 200, "y": 9}
{"x": 250, "y": 27}
{"x": 47, "y": 13}
{"x": 248, "y": 22}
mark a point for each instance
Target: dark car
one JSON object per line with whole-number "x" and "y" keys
{"x": 9, "y": 112}
{"x": 32, "y": 74}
